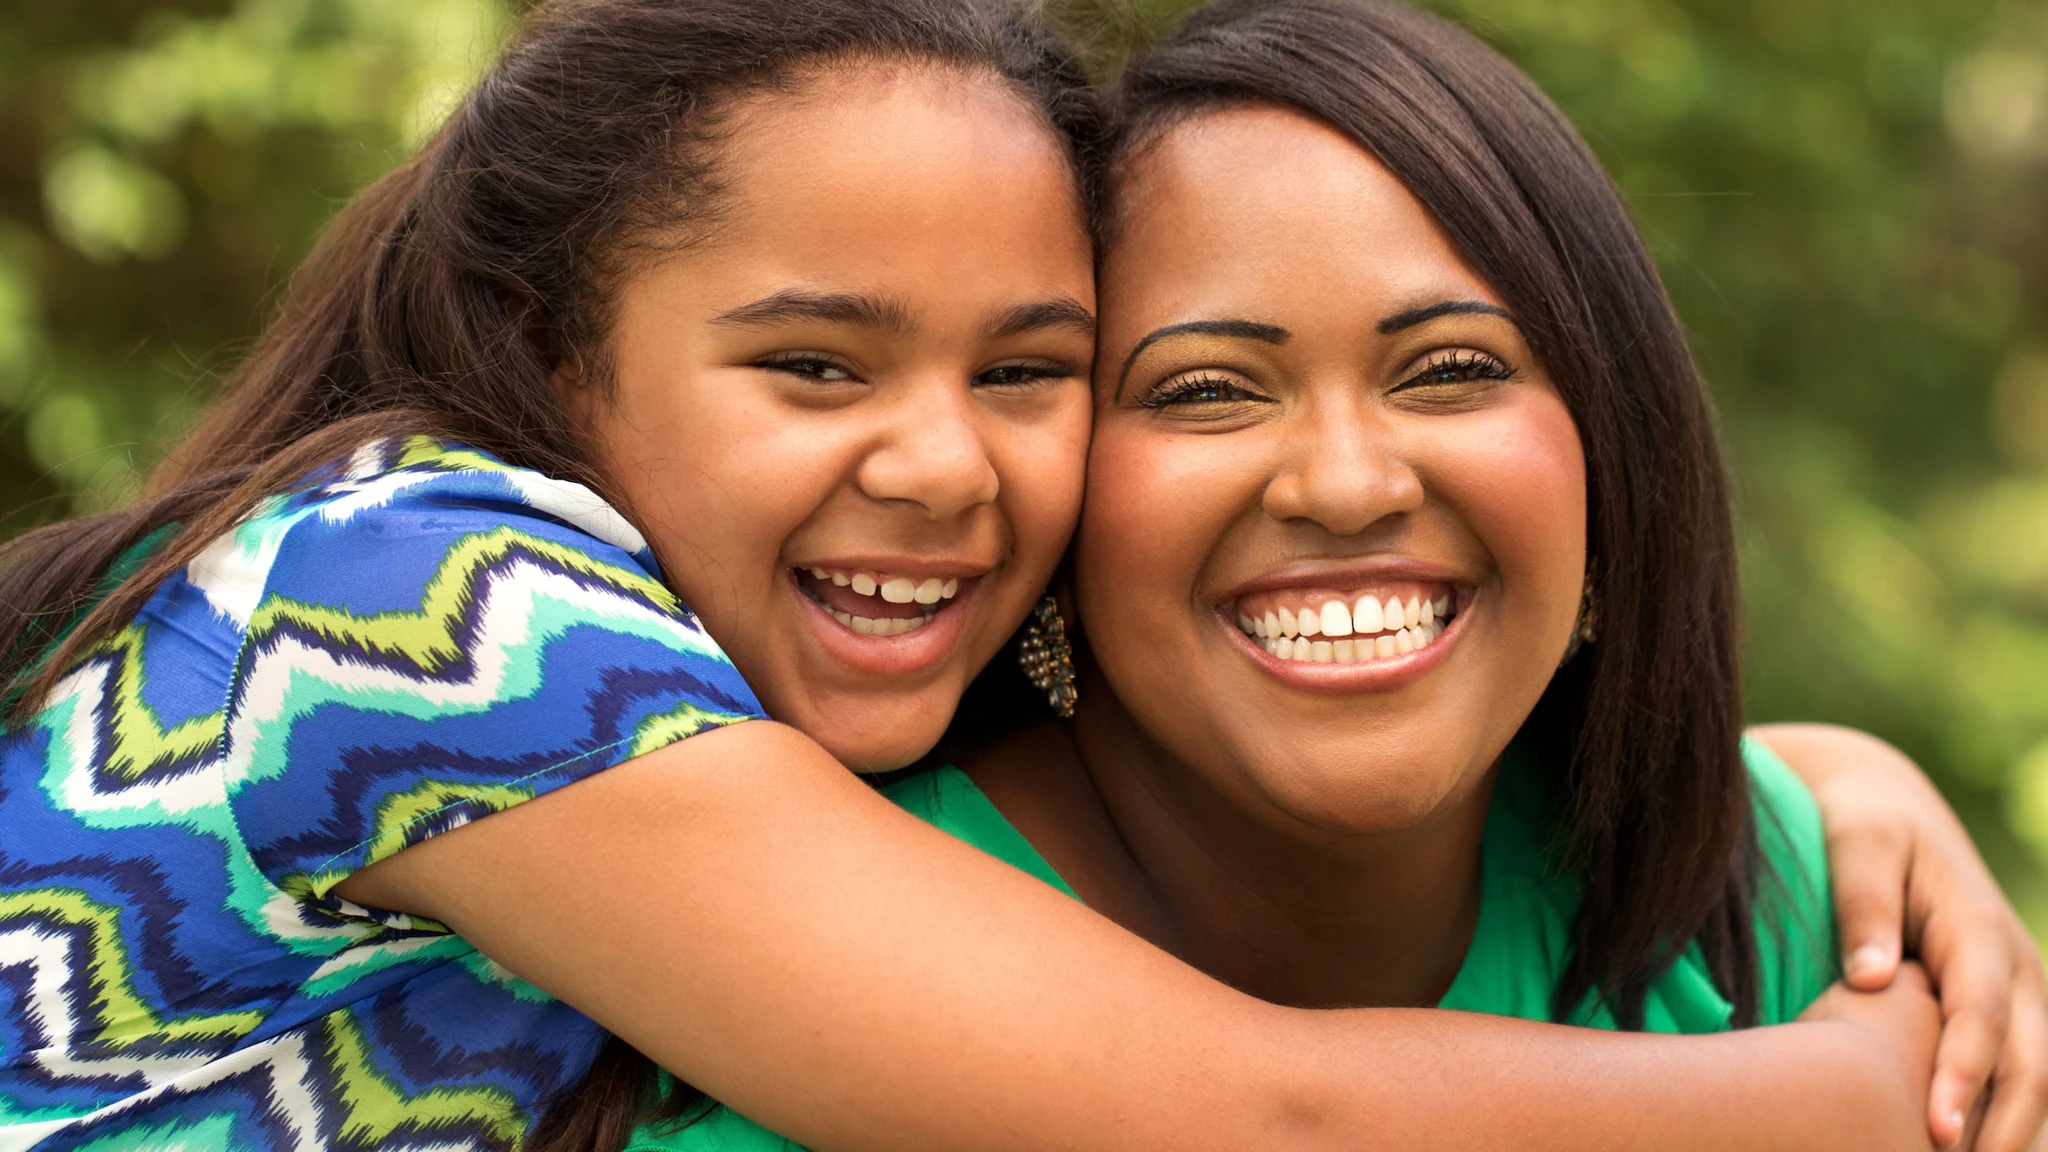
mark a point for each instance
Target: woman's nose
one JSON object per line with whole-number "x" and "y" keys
{"x": 933, "y": 454}
{"x": 1344, "y": 472}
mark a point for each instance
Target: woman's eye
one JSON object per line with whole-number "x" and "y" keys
{"x": 1200, "y": 390}
{"x": 1462, "y": 367}
{"x": 809, "y": 367}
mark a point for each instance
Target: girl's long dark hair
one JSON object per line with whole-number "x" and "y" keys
{"x": 444, "y": 299}
{"x": 445, "y": 296}
{"x": 1647, "y": 720}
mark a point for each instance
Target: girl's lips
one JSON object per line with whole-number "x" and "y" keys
{"x": 1381, "y": 674}
{"x": 896, "y": 644}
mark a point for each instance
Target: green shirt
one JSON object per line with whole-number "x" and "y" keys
{"x": 1523, "y": 936}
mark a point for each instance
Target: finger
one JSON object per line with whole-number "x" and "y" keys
{"x": 1868, "y": 867}
{"x": 2019, "y": 1085}
{"x": 1976, "y": 990}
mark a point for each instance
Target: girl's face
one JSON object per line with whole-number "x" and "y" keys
{"x": 1334, "y": 538}
{"x": 853, "y": 413}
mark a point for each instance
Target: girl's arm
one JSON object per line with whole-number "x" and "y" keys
{"x": 756, "y": 919}
{"x": 1908, "y": 879}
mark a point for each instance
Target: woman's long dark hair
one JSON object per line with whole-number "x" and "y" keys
{"x": 1647, "y": 720}
{"x": 445, "y": 297}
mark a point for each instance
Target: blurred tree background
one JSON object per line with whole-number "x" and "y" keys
{"x": 1849, "y": 199}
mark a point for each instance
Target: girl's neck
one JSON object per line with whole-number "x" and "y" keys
{"x": 1284, "y": 910}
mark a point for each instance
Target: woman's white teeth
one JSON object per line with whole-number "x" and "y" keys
{"x": 1366, "y": 616}
{"x": 1333, "y": 632}
{"x": 1357, "y": 651}
{"x": 864, "y": 584}
{"x": 899, "y": 591}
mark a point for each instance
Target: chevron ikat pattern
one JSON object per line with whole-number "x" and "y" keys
{"x": 416, "y": 639}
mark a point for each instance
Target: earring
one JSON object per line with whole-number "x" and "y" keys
{"x": 1047, "y": 658}
{"x": 1587, "y": 629}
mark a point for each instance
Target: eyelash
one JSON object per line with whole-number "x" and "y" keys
{"x": 1464, "y": 366}
{"x": 806, "y": 365}
{"x": 1185, "y": 392}
{"x": 813, "y": 367}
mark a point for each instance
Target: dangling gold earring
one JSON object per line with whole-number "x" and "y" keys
{"x": 1587, "y": 629}
{"x": 1047, "y": 658}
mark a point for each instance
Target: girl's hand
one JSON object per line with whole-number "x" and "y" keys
{"x": 1907, "y": 879}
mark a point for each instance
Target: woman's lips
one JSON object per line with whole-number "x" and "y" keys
{"x": 1381, "y": 660}
{"x": 1349, "y": 626}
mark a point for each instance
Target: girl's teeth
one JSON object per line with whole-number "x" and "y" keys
{"x": 1429, "y": 611}
{"x": 1336, "y": 619}
{"x": 881, "y": 626}
{"x": 1396, "y": 616}
{"x": 894, "y": 589}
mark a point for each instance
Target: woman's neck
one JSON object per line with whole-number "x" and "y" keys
{"x": 1284, "y": 910}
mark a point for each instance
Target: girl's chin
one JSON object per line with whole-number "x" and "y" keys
{"x": 870, "y": 735}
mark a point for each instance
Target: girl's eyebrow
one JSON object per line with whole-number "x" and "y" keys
{"x": 1423, "y": 315}
{"x": 1242, "y": 329}
{"x": 793, "y": 304}
{"x": 1057, "y": 312}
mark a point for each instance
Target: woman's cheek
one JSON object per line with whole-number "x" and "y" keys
{"x": 1518, "y": 480}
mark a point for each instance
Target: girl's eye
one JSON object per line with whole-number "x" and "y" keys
{"x": 1460, "y": 367}
{"x": 810, "y": 367}
{"x": 1019, "y": 375}
{"x": 1197, "y": 390}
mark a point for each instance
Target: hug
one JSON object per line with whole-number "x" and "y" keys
{"x": 804, "y": 576}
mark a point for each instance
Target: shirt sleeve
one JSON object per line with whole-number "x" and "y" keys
{"x": 1795, "y": 921}
{"x": 441, "y": 648}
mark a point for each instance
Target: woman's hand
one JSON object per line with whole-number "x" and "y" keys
{"x": 1907, "y": 879}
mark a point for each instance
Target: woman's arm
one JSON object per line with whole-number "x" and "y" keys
{"x": 753, "y": 917}
{"x": 1907, "y": 879}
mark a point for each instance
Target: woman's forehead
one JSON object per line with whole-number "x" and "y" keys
{"x": 1259, "y": 202}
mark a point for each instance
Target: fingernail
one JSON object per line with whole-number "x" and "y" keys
{"x": 1956, "y": 1118}
{"x": 1868, "y": 959}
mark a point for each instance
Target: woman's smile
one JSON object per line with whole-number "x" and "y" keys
{"x": 1366, "y": 627}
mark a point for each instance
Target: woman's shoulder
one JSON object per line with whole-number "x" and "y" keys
{"x": 1793, "y": 911}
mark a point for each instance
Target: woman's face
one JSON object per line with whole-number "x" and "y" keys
{"x": 1334, "y": 537}
{"x": 853, "y": 414}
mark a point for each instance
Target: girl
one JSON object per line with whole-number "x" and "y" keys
{"x": 289, "y": 807}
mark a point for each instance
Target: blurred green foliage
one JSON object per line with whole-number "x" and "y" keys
{"x": 1847, "y": 199}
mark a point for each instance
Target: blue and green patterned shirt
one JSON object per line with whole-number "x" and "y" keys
{"x": 411, "y": 641}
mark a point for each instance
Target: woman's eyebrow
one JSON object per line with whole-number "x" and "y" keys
{"x": 1428, "y": 312}
{"x": 792, "y": 304}
{"x": 1058, "y": 312}
{"x": 1243, "y": 329}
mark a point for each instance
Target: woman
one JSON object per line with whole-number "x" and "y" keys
{"x": 344, "y": 703}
